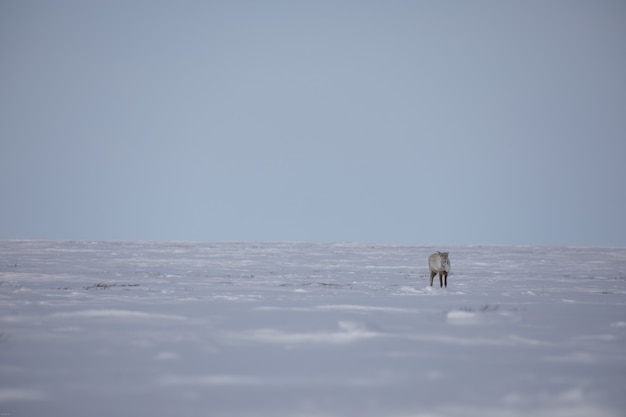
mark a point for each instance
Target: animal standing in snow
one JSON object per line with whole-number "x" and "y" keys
{"x": 438, "y": 263}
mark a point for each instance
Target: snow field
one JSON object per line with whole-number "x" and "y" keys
{"x": 305, "y": 329}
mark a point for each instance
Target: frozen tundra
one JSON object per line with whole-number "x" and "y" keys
{"x": 439, "y": 263}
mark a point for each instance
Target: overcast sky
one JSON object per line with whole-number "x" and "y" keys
{"x": 427, "y": 122}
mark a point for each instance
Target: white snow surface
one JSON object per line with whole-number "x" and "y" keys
{"x": 305, "y": 329}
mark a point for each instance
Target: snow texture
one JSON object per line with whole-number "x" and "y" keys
{"x": 304, "y": 329}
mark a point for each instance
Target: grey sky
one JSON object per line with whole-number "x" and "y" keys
{"x": 482, "y": 122}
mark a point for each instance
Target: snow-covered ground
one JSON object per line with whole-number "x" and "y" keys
{"x": 303, "y": 329}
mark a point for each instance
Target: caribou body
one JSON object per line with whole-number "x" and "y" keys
{"x": 439, "y": 263}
